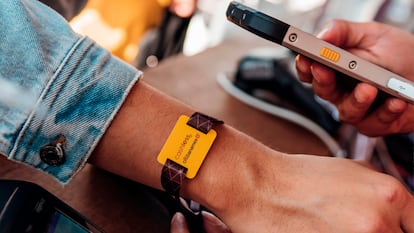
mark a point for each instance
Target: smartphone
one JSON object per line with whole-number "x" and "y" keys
{"x": 28, "y": 208}
{"x": 321, "y": 51}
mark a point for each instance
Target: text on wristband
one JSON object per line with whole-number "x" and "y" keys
{"x": 187, "y": 146}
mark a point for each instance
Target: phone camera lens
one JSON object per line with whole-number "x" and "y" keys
{"x": 293, "y": 37}
{"x": 352, "y": 65}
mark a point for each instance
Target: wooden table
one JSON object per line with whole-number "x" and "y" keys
{"x": 119, "y": 205}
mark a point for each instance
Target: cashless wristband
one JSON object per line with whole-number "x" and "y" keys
{"x": 185, "y": 149}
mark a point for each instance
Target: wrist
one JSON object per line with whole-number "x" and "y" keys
{"x": 231, "y": 168}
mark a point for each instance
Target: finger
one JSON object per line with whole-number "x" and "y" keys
{"x": 324, "y": 83}
{"x": 384, "y": 120}
{"x": 212, "y": 224}
{"x": 303, "y": 68}
{"x": 343, "y": 33}
{"x": 407, "y": 222}
{"x": 355, "y": 106}
{"x": 179, "y": 224}
{"x": 390, "y": 111}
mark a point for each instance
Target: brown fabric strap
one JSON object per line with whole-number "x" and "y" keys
{"x": 172, "y": 177}
{"x": 202, "y": 122}
{"x": 173, "y": 173}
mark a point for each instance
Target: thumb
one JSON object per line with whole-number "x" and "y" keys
{"x": 333, "y": 32}
{"x": 178, "y": 224}
{"x": 212, "y": 224}
{"x": 342, "y": 33}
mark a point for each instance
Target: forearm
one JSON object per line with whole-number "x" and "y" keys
{"x": 131, "y": 144}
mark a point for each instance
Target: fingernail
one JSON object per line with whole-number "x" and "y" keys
{"x": 208, "y": 217}
{"x": 178, "y": 219}
{"x": 396, "y": 106}
{"x": 359, "y": 97}
{"x": 315, "y": 74}
{"x": 325, "y": 28}
{"x": 300, "y": 66}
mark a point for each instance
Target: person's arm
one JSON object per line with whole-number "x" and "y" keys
{"x": 380, "y": 44}
{"x": 92, "y": 99}
{"x": 251, "y": 187}
{"x": 58, "y": 90}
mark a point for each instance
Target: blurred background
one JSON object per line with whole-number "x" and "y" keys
{"x": 128, "y": 27}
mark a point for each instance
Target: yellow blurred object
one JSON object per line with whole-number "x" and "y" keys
{"x": 118, "y": 25}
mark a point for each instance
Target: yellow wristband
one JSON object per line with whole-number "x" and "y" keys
{"x": 185, "y": 149}
{"x": 187, "y": 146}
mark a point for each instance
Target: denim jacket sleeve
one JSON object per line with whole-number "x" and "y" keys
{"x": 59, "y": 91}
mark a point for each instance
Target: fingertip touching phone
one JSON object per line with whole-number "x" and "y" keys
{"x": 28, "y": 208}
{"x": 321, "y": 51}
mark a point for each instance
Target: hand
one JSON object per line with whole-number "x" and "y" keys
{"x": 319, "y": 195}
{"x": 211, "y": 224}
{"x": 379, "y": 44}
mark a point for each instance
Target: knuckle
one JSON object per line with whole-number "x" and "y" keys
{"x": 345, "y": 116}
{"x": 326, "y": 95}
{"x": 392, "y": 191}
{"x": 391, "y": 196}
